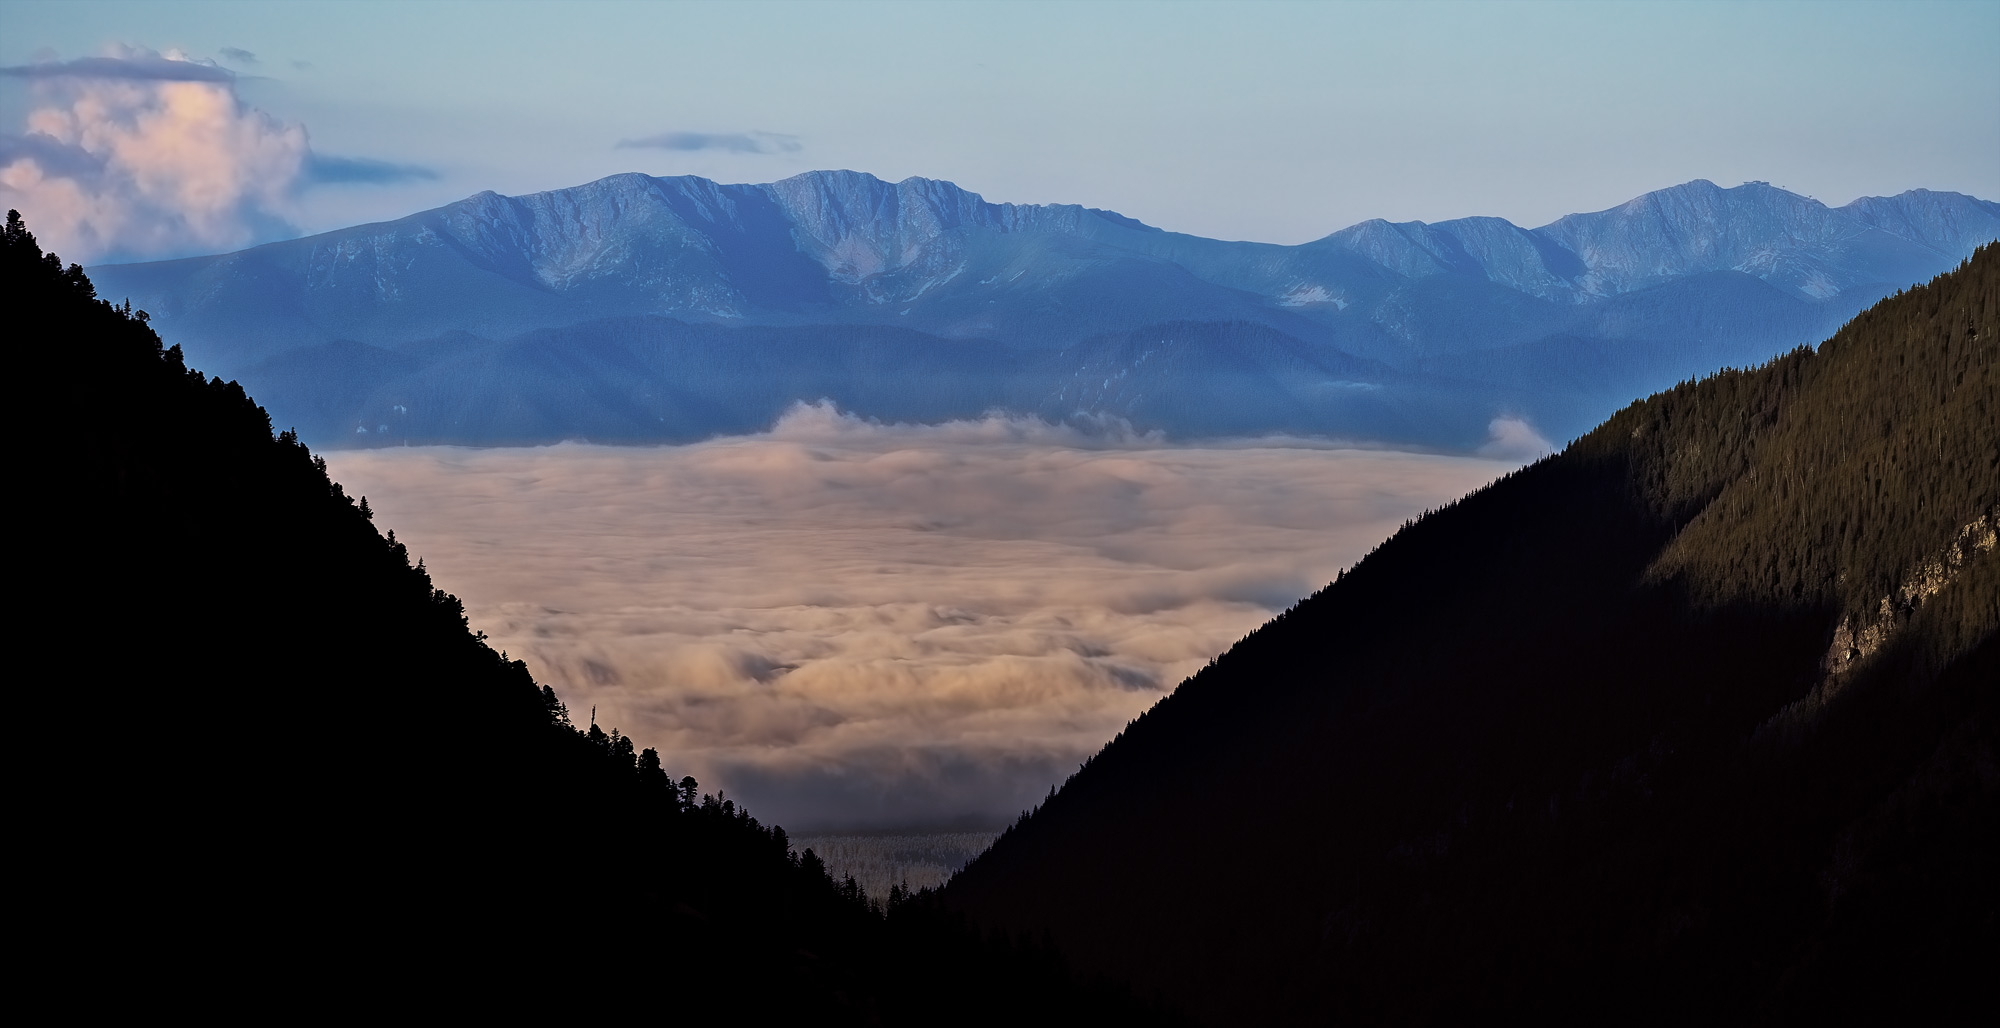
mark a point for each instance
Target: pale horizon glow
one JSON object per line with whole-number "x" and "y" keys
{"x": 1274, "y": 122}
{"x": 851, "y": 625}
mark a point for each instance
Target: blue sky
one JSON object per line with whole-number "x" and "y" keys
{"x": 1278, "y": 122}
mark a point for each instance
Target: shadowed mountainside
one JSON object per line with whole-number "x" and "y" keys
{"x": 292, "y": 773}
{"x": 1692, "y": 722}
{"x": 650, "y": 379}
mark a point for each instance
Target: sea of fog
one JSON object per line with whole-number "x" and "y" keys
{"x": 853, "y": 626}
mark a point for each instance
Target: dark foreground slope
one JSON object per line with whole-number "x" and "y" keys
{"x": 276, "y": 771}
{"x": 1694, "y": 722}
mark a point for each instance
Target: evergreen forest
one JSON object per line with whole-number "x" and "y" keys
{"x": 1694, "y": 721}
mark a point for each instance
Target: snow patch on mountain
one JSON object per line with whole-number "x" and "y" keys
{"x": 1308, "y": 295}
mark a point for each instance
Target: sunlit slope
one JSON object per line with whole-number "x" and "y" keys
{"x": 1693, "y": 721}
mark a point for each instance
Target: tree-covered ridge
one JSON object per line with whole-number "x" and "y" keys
{"x": 1521, "y": 758}
{"x": 311, "y": 782}
{"x": 231, "y": 546}
{"x": 1570, "y": 747}
{"x": 1830, "y": 476}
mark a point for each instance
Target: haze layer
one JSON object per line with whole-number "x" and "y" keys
{"x": 847, "y": 624}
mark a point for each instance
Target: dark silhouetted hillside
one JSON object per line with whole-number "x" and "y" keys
{"x": 275, "y": 770}
{"x": 1694, "y": 722}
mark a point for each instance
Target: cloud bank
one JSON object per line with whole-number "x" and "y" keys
{"x": 846, "y": 624}
{"x": 1514, "y": 439}
{"x": 320, "y": 168}
{"x": 140, "y": 154}
{"x": 127, "y": 63}
{"x": 724, "y": 142}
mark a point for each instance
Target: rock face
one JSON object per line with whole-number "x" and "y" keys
{"x": 1686, "y": 278}
{"x": 1856, "y": 638}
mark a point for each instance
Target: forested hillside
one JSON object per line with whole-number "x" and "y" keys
{"x": 274, "y": 760}
{"x": 1694, "y": 722}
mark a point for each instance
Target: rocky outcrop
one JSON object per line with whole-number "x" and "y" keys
{"x": 1857, "y": 636}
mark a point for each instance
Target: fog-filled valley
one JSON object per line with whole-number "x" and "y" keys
{"x": 908, "y": 861}
{"x": 854, "y": 625}
{"x": 880, "y": 515}
{"x": 1714, "y": 684}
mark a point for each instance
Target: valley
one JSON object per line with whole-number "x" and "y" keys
{"x": 848, "y": 626}
{"x": 866, "y": 514}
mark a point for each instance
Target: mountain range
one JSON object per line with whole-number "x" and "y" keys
{"x": 604, "y": 310}
{"x": 1696, "y": 721}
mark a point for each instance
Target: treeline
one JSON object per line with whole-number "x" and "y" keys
{"x": 273, "y": 765}
{"x": 1584, "y": 746}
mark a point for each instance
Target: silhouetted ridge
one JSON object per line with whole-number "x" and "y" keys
{"x": 1559, "y": 325}
{"x": 301, "y": 778}
{"x": 1693, "y": 722}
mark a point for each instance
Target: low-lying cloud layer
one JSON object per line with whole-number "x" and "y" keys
{"x": 846, "y": 624}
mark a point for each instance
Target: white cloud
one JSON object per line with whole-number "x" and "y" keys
{"x": 139, "y": 154}
{"x": 845, "y": 623}
{"x": 1512, "y": 438}
{"x": 157, "y": 163}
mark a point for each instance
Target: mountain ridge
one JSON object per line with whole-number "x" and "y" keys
{"x": 1692, "y": 722}
{"x": 413, "y": 819}
{"x": 868, "y": 234}
{"x": 847, "y": 249}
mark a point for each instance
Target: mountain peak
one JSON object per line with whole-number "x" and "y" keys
{"x": 830, "y": 178}
{"x": 927, "y": 254}
{"x": 1703, "y": 193}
